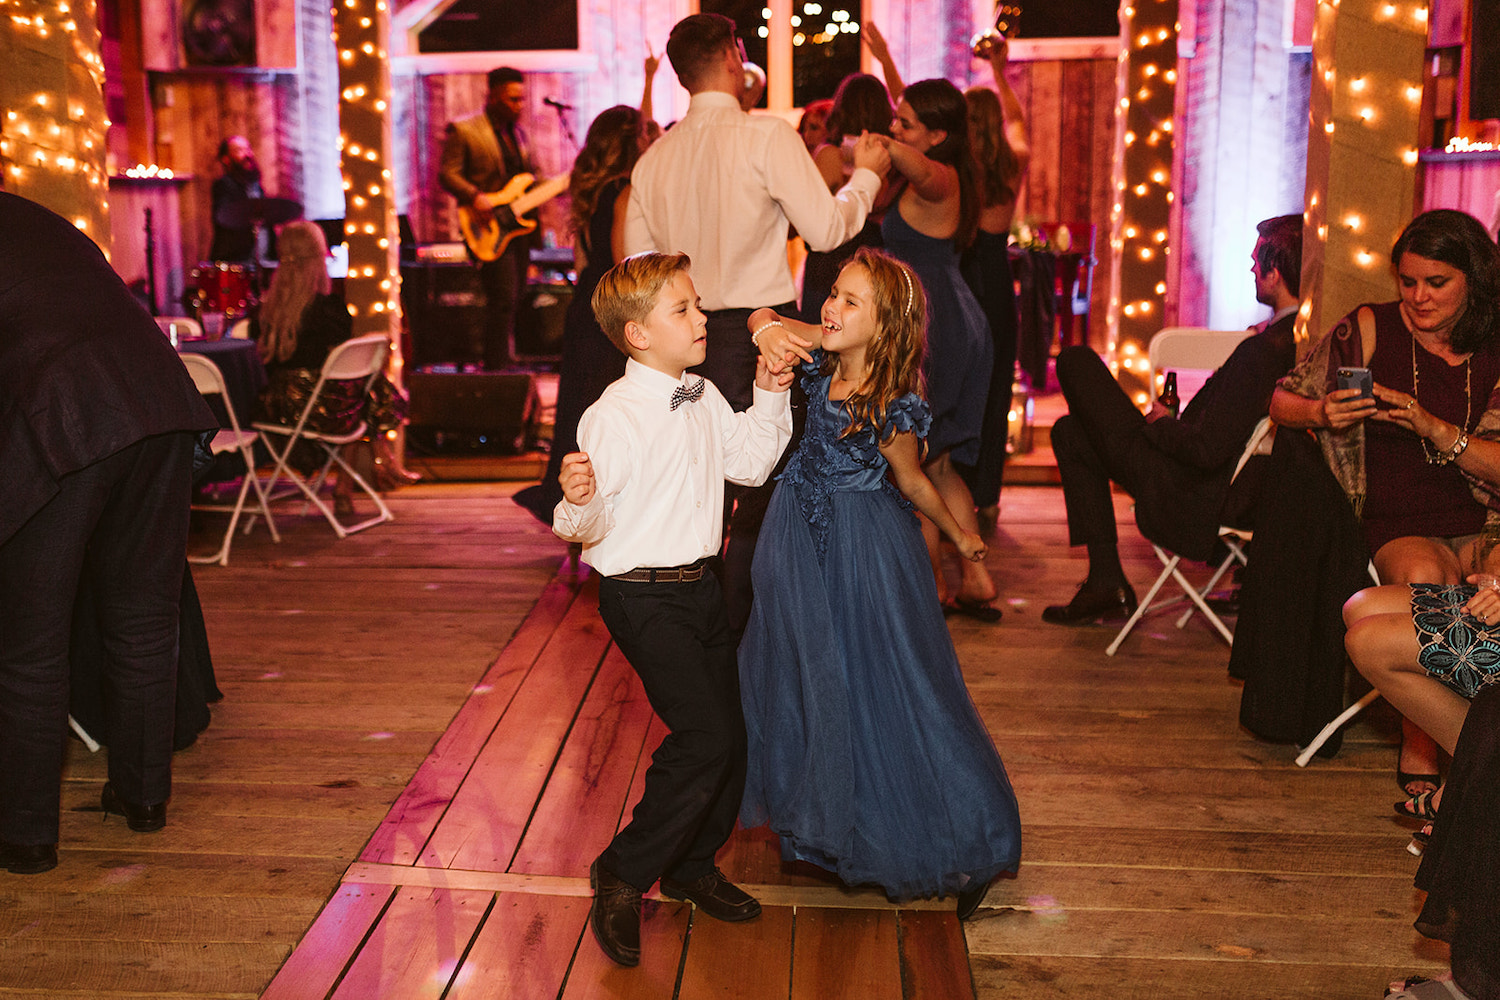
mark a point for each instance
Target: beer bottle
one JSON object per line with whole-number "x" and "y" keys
{"x": 1168, "y": 397}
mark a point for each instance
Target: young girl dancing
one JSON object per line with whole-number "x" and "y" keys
{"x": 866, "y": 755}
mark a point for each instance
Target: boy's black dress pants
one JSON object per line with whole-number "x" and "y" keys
{"x": 677, "y": 638}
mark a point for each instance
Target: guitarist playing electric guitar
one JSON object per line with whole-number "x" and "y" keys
{"x": 484, "y": 162}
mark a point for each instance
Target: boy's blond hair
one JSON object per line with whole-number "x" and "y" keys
{"x": 628, "y": 291}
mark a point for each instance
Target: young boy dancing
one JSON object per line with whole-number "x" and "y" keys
{"x": 645, "y": 496}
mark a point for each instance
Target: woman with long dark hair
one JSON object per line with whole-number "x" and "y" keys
{"x": 1002, "y": 151}
{"x": 600, "y": 190}
{"x": 933, "y": 219}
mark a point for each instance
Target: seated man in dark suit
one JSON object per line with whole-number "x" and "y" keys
{"x": 99, "y": 422}
{"x": 1177, "y": 468}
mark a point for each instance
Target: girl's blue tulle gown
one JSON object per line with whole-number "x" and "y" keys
{"x": 866, "y": 755}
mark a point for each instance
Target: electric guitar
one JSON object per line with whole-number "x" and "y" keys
{"x": 487, "y": 238}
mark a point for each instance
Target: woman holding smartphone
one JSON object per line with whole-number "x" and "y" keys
{"x": 1420, "y": 459}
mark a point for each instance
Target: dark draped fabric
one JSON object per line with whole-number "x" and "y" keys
{"x": 1460, "y": 869}
{"x": 1036, "y": 273}
{"x": 1306, "y": 559}
{"x": 196, "y": 687}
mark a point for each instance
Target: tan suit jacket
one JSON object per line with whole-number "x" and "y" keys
{"x": 475, "y": 161}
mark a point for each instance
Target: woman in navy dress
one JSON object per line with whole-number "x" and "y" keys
{"x": 935, "y": 218}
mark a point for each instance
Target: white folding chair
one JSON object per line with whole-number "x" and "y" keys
{"x": 210, "y": 381}
{"x": 179, "y": 328}
{"x": 1306, "y": 756}
{"x": 1191, "y": 348}
{"x": 240, "y": 330}
{"x": 360, "y": 358}
{"x": 1234, "y": 539}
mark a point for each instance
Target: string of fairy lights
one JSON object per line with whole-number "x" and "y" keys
{"x": 1140, "y": 213}
{"x": 360, "y": 30}
{"x": 1365, "y": 113}
{"x": 52, "y": 143}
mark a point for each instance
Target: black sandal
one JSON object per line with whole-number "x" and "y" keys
{"x": 1420, "y": 806}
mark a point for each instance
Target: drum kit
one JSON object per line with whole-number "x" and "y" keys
{"x": 227, "y": 292}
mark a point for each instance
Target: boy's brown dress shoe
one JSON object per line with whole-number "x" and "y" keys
{"x": 616, "y": 916}
{"x": 715, "y": 895}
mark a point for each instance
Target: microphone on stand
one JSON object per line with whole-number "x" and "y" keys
{"x": 553, "y": 102}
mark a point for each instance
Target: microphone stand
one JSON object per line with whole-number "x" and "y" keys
{"x": 562, "y": 123}
{"x": 151, "y": 265}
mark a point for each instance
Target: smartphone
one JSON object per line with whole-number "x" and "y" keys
{"x": 1357, "y": 378}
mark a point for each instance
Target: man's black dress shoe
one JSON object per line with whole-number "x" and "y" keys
{"x": 1093, "y": 604}
{"x": 141, "y": 819}
{"x": 616, "y": 916}
{"x": 28, "y": 859}
{"x": 715, "y": 895}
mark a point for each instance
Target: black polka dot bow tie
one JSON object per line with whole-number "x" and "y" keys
{"x": 684, "y": 394}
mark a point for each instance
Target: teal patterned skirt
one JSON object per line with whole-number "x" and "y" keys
{"x": 1457, "y": 648}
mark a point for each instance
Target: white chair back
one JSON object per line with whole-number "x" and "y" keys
{"x": 240, "y": 330}
{"x": 1193, "y": 352}
{"x": 210, "y": 381}
{"x": 358, "y": 357}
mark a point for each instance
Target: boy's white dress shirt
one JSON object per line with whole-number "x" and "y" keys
{"x": 659, "y": 473}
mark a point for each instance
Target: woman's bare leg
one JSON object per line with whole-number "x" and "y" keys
{"x": 1414, "y": 559}
{"x": 1385, "y": 647}
{"x": 976, "y": 584}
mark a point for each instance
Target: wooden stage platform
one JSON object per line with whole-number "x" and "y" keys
{"x": 427, "y": 736}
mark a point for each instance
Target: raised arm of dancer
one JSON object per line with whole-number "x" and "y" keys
{"x": 648, "y": 120}
{"x": 1016, "y": 133}
{"x": 875, "y": 42}
{"x": 930, "y": 180}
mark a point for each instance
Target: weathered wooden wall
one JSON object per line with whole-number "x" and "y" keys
{"x": 1070, "y": 113}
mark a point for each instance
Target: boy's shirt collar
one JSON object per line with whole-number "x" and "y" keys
{"x": 655, "y": 379}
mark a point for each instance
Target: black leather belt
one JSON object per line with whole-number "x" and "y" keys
{"x": 672, "y": 574}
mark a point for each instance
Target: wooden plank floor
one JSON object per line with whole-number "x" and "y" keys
{"x": 426, "y": 737}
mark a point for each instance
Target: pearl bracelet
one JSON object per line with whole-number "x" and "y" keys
{"x": 755, "y": 334}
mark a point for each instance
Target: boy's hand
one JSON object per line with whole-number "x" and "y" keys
{"x": 764, "y": 379}
{"x": 577, "y": 479}
{"x": 971, "y": 546}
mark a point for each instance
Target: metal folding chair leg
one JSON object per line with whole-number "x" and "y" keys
{"x": 1190, "y": 593}
{"x": 1306, "y": 756}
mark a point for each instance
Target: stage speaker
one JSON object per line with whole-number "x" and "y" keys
{"x": 541, "y": 318}
{"x": 446, "y": 307}
{"x": 478, "y": 411}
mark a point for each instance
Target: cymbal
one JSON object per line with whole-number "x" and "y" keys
{"x": 267, "y": 211}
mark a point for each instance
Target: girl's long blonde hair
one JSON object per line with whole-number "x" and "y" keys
{"x": 894, "y": 356}
{"x": 301, "y": 276}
